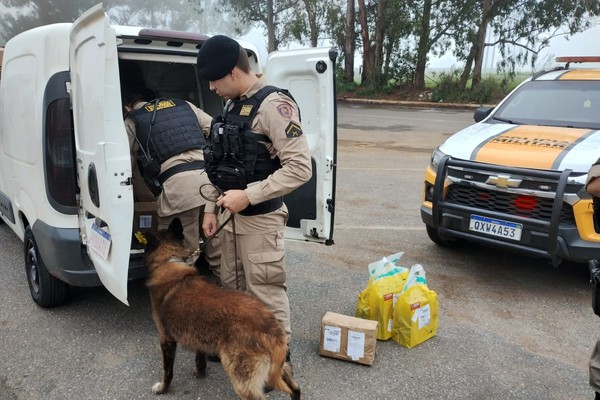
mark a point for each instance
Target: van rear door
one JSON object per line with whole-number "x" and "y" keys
{"x": 309, "y": 75}
{"x": 103, "y": 160}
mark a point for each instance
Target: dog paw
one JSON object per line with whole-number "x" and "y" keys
{"x": 159, "y": 388}
{"x": 199, "y": 373}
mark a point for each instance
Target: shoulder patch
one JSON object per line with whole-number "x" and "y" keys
{"x": 285, "y": 110}
{"x": 293, "y": 130}
{"x": 161, "y": 105}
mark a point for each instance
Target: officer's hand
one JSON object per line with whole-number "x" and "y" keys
{"x": 234, "y": 200}
{"x": 209, "y": 224}
{"x": 593, "y": 187}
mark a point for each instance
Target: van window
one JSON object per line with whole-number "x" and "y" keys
{"x": 60, "y": 155}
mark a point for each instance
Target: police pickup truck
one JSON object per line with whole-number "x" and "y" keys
{"x": 515, "y": 179}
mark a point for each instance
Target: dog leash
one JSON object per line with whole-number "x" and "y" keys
{"x": 211, "y": 237}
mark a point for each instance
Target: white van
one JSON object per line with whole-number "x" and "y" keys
{"x": 65, "y": 168}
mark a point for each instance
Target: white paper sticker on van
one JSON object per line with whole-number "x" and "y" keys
{"x": 99, "y": 241}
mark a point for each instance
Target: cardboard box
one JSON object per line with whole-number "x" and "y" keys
{"x": 145, "y": 217}
{"x": 348, "y": 338}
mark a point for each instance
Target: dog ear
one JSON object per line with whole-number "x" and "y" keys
{"x": 176, "y": 228}
{"x": 152, "y": 241}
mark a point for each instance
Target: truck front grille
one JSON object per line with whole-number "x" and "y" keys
{"x": 509, "y": 203}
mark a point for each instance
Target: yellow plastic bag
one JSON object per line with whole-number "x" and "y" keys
{"x": 415, "y": 316}
{"x": 376, "y": 300}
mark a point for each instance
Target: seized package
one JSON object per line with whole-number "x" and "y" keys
{"x": 415, "y": 317}
{"x": 376, "y": 302}
{"x": 348, "y": 338}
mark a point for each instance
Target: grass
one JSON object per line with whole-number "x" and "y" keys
{"x": 440, "y": 86}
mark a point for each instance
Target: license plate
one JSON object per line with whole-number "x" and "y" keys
{"x": 496, "y": 227}
{"x": 99, "y": 241}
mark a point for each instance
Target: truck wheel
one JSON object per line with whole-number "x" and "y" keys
{"x": 45, "y": 289}
{"x": 441, "y": 240}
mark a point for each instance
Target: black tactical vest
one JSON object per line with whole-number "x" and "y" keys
{"x": 165, "y": 128}
{"x": 236, "y": 156}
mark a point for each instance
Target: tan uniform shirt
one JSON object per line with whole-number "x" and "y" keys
{"x": 181, "y": 191}
{"x": 594, "y": 172}
{"x": 273, "y": 118}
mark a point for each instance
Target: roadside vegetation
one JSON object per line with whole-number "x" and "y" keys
{"x": 392, "y": 40}
{"x": 440, "y": 87}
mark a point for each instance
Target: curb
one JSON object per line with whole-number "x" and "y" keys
{"x": 405, "y": 103}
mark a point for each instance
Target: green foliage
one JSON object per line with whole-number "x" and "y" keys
{"x": 489, "y": 90}
{"x": 185, "y": 15}
{"x": 442, "y": 87}
{"x": 448, "y": 88}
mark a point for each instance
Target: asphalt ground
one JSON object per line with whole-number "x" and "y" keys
{"x": 509, "y": 327}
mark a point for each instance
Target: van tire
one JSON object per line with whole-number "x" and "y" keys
{"x": 441, "y": 240}
{"x": 45, "y": 289}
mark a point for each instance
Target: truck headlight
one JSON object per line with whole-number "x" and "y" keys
{"x": 436, "y": 157}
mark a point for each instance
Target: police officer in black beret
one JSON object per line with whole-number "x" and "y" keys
{"x": 252, "y": 178}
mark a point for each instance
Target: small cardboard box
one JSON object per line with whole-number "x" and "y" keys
{"x": 348, "y": 338}
{"x": 145, "y": 217}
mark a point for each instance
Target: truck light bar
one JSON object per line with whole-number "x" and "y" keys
{"x": 578, "y": 59}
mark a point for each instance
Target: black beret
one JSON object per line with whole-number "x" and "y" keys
{"x": 217, "y": 57}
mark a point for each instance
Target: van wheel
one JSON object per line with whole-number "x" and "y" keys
{"x": 441, "y": 240}
{"x": 45, "y": 289}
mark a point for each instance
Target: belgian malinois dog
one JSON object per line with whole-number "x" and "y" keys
{"x": 199, "y": 315}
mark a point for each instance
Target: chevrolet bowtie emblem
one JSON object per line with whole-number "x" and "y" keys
{"x": 503, "y": 181}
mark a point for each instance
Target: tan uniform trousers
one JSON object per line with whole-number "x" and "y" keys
{"x": 595, "y": 367}
{"x": 192, "y": 222}
{"x": 260, "y": 270}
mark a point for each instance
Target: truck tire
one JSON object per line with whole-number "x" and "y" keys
{"x": 441, "y": 240}
{"x": 45, "y": 289}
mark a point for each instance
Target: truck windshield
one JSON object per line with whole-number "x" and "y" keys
{"x": 554, "y": 103}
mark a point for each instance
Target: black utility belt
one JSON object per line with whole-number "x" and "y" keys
{"x": 187, "y": 166}
{"x": 263, "y": 208}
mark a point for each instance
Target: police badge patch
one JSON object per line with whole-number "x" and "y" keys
{"x": 293, "y": 130}
{"x": 285, "y": 110}
{"x": 246, "y": 110}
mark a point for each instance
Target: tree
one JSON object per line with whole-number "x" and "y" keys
{"x": 28, "y": 14}
{"x": 383, "y": 26}
{"x": 435, "y": 21}
{"x": 521, "y": 28}
{"x": 185, "y": 15}
{"x": 350, "y": 42}
{"x": 277, "y": 17}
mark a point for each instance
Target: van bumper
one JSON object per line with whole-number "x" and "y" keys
{"x": 66, "y": 258}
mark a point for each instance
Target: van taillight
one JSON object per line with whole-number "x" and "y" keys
{"x": 60, "y": 158}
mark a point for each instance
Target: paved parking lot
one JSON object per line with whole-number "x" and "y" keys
{"x": 509, "y": 327}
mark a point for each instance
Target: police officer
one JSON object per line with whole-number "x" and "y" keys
{"x": 167, "y": 137}
{"x": 272, "y": 161}
{"x": 593, "y": 188}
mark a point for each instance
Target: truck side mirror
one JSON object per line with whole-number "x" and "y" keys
{"x": 481, "y": 113}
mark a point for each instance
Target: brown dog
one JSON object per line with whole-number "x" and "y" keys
{"x": 203, "y": 317}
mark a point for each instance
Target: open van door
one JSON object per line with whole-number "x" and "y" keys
{"x": 309, "y": 75}
{"x": 103, "y": 157}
